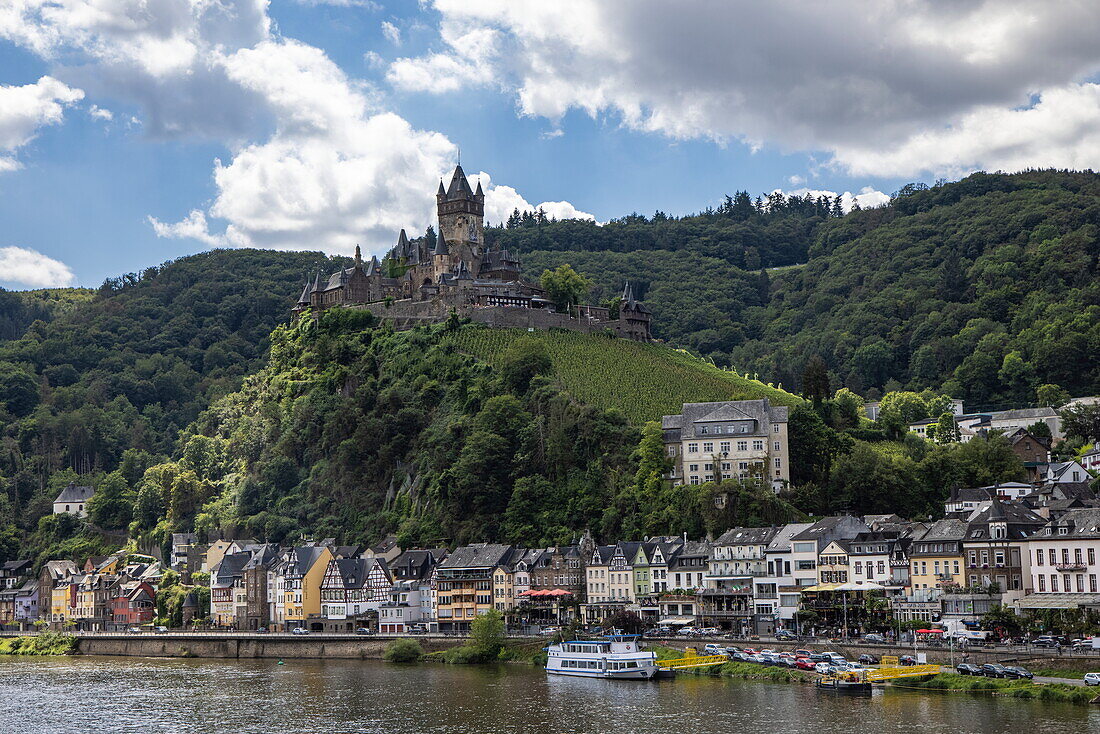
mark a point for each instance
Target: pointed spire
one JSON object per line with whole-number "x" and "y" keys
{"x": 479, "y": 192}
{"x": 441, "y": 247}
{"x": 460, "y": 187}
{"x": 358, "y": 257}
{"x": 442, "y": 191}
{"x": 403, "y": 240}
{"x": 304, "y": 298}
{"x": 317, "y": 282}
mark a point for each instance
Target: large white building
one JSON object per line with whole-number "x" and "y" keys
{"x": 73, "y": 500}
{"x": 738, "y": 439}
{"x": 1064, "y": 567}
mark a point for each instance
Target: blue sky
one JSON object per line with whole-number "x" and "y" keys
{"x": 142, "y": 132}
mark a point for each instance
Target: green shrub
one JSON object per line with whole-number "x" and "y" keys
{"x": 46, "y": 643}
{"x": 403, "y": 651}
{"x": 464, "y": 655}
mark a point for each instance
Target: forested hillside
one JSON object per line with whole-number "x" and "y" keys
{"x": 96, "y": 374}
{"x": 352, "y": 432}
{"x": 984, "y": 288}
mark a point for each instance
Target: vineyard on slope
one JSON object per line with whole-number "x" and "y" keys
{"x": 643, "y": 381}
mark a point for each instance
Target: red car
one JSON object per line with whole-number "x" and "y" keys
{"x": 804, "y": 664}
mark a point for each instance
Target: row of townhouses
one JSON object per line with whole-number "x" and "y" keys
{"x": 1023, "y": 545}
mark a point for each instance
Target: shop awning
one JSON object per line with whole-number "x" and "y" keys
{"x": 929, "y": 632}
{"x": 677, "y": 620}
{"x": 822, "y": 587}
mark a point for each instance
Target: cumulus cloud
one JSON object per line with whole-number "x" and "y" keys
{"x": 32, "y": 268}
{"x": 848, "y": 78}
{"x": 501, "y": 201}
{"x": 316, "y": 161}
{"x": 25, "y": 109}
{"x": 163, "y": 56}
{"x": 868, "y": 197}
{"x": 99, "y": 113}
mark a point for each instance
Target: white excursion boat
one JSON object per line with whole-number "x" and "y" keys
{"x": 615, "y": 656}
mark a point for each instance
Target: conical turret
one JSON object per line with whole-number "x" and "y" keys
{"x": 303, "y": 300}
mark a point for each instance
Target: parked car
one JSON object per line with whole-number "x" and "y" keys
{"x": 804, "y": 664}
{"x": 710, "y": 631}
{"x": 802, "y": 653}
{"x": 907, "y": 660}
{"x": 995, "y": 670}
{"x": 1020, "y": 672}
{"x": 866, "y": 659}
{"x": 364, "y": 631}
{"x": 687, "y": 632}
{"x": 874, "y": 637}
{"x": 785, "y": 635}
{"x": 417, "y": 629}
{"x": 1092, "y": 679}
{"x": 711, "y": 649}
{"x": 134, "y": 630}
{"x": 757, "y": 658}
{"x": 160, "y": 628}
{"x": 1047, "y": 641}
{"x": 299, "y": 631}
{"x": 262, "y": 630}
{"x": 968, "y": 669}
{"x": 824, "y": 668}
{"x": 818, "y": 657}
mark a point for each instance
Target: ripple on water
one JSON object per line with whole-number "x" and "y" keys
{"x": 122, "y": 695}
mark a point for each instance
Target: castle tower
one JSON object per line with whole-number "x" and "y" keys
{"x": 461, "y": 212}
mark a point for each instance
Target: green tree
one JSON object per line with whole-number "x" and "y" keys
{"x": 522, "y": 362}
{"x": 403, "y": 651}
{"x": 944, "y": 430}
{"x": 112, "y": 505}
{"x": 565, "y": 287}
{"x": 813, "y": 446}
{"x": 18, "y": 389}
{"x": 815, "y": 380}
{"x": 1081, "y": 421}
{"x": 1051, "y": 396}
{"x": 487, "y": 634}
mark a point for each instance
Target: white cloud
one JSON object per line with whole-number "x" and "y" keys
{"x": 162, "y": 56}
{"x": 25, "y": 109}
{"x": 31, "y": 268}
{"x": 501, "y": 201}
{"x": 1061, "y": 130}
{"x": 868, "y": 197}
{"x": 193, "y": 227}
{"x": 315, "y": 159}
{"x": 391, "y": 32}
{"x": 852, "y": 79}
{"x": 99, "y": 113}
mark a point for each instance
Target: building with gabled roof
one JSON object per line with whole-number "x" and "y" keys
{"x": 735, "y": 439}
{"x": 73, "y": 500}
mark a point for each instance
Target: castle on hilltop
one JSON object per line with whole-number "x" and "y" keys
{"x": 420, "y": 281}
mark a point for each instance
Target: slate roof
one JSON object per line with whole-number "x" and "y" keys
{"x": 302, "y": 559}
{"x": 412, "y": 565}
{"x": 761, "y": 411}
{"x": 781, "y": 541}
{"x": 73, "y": 493}
{"x": 478, "y": 555}
{"x": 1076, "y": 523}
{"x": 946, "y": 529}
{"x": 17, "y": 568}
{"x": 1023, "y": 414}
{"x": 747, "y": 536}
{"x": 231, "y": 567}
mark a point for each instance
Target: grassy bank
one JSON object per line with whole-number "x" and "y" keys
{"x": 46, "y": 643}
{"x": 1058, "y": 692}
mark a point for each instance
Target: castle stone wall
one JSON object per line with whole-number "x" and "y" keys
{"x": 408, "y": 314}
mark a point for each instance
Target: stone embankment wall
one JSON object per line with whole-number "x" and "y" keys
{"x": 248, "y": 646}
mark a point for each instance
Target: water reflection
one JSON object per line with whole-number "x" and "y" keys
{"x": 242, "y": 697}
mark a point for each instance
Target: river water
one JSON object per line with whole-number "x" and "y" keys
{"x": 87, "y": 694}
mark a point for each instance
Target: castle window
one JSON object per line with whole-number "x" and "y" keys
{"x": 742, "y": 445}
{"x": 775, "y": 428}
{"x": 693, "y": 448}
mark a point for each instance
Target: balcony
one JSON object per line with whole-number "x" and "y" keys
{"x": 1070, "y": 566}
